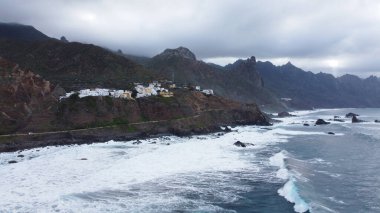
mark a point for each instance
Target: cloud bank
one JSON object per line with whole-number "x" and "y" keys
{"x": 337, "y": 36}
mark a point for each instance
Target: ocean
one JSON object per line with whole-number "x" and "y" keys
{"x": 287, "y": 167}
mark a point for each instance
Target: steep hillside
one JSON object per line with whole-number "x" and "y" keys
{"x": 74, "y": 65}
{"x": 321, "y": 90}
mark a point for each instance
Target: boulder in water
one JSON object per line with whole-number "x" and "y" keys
{"x": 12, "y": 161}
{"x": 377, "y": 121}
{"x": 284, "y": 114}
{"x": 227, "y": 129}
{"x": 321, "y": 122}
{"x": 350, "y": 115}
{"x": 136, "y": 142}
{"x": 356, "y": 120}
{"x": 240, "y": 144}
{"x": 306, "y": 124}
{"x": 331, "y": 133}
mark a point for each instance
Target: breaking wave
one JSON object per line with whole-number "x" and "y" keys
{"x": 289, "y": 191}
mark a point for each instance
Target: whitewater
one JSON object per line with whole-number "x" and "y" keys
{"x": 287, "y": 167}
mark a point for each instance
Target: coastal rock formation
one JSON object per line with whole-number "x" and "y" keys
{"x": 356, "y": 120}
{"x": 321, "y": 122}
{"x": 284, "y": 114}
{"x": 240, "y": 144}
{"x": 351, "y": 115}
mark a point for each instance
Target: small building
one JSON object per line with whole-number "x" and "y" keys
{"x": 208, "y": 92}
{"x": 166, "y": 94}
{"x": 127, "y": 95}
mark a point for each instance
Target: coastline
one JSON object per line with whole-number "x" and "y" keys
{"x": 202, "y": 123}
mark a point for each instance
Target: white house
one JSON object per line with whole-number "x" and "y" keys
{"x": 208, "y": 92}
{"x": 142, "y": 91}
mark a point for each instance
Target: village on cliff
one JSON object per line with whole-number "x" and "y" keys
{"x": 163, "y": 89}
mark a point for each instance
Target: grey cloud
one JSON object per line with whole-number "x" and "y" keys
{"x": 308, "y": 32}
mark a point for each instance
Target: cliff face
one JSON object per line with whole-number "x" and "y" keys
{"x": 102, "y": 111}
{"x": 26, "y": 98}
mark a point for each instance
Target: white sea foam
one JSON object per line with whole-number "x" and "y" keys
{"x": 289, "y": 191}
{"x": 279, "y": 161}
{"x": 56, "y": 179}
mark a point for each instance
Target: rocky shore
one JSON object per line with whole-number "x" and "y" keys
{"x": 205, "y": 122}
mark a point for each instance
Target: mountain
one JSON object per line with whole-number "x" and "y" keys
{"x": 239, "y": 81}
{"x": 75, "y": 65}
{"x": 21, "y": 32}
{"x": 321, "y": 90}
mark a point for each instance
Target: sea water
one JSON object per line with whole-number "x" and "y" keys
{"x": 288, "y": 168}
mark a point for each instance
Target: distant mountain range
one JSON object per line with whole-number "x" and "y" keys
{"x": 320, "y": 90}
{"x": 74, "y": 65}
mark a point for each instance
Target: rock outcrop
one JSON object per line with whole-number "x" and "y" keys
{"x": 181, "y": 52}
{"x": 356, "y": 120}
{"x": 284, "y": 114}
{"x": 26, "y": 98}
{"x": 321, "y": 122}
{"x": 240, "y": 144}
{"x": 351, "y": 115}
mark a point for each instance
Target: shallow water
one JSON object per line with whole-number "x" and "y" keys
{"x": 304, "y": 165}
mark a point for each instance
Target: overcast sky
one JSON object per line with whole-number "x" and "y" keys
{"x": 334, "y": 36}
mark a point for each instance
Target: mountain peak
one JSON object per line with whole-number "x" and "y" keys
{"x": 179, "y": 52}
{"x": 289, "y": 64}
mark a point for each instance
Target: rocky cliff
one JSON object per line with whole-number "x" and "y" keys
{"x": 26, "y": 98}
